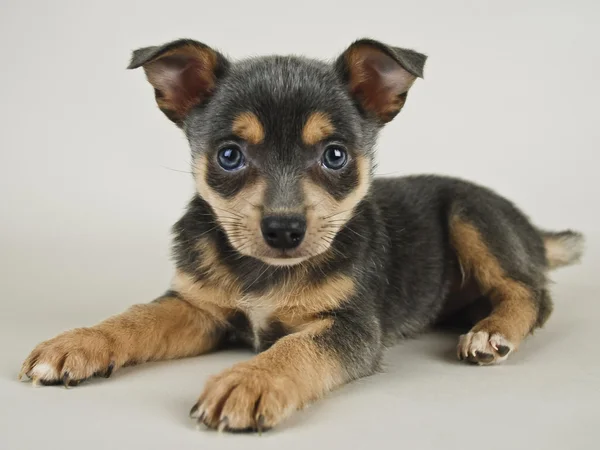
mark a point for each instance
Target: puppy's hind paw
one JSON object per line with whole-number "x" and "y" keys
{"x": 482, "y": 348}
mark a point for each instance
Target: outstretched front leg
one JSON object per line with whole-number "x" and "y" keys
{"x": 299, "y": 368}
{"x": 167, "y": 328}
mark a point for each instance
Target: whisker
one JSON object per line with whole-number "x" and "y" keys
{"x": 250, "y": 203}
{"x": 267, "y": 267}
{"x": 314, "y": 205}
{"x": 234, "y": 213}
{"x": 335, "y": 214}
{"x": 176, "y": 170}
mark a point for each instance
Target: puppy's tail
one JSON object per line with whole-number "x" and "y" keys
{"x": 563, "y": 248}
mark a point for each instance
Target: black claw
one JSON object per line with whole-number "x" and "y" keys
{"x": 194, "y": 410}
{"x": 68, "y": 382}
{"x": 241, "y": 430}
{"x": 109, "y": 370}
{"x": 484, "y": 357}
{"x": 260, "y": 424}
{"x": 503, "y": 350}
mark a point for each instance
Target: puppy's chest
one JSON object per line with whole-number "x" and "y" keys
{"x": 259, "y": 326}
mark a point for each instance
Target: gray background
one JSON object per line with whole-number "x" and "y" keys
{"x": 510, "y": 99}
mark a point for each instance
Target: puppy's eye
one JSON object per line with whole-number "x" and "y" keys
{"x": 231, "y": 158}
{"x": 335, "y": 157}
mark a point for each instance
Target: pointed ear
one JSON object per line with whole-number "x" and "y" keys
{"x": 379, "y": 76}
{"x": 184, "y": 74}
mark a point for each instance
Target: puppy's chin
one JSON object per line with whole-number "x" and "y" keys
{"x": 272, "y": 257}
{"x": 284, "y": 261}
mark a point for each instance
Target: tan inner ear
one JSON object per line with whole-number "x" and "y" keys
{"x": 182, "y": 78}
{"x": 378, "y": 81}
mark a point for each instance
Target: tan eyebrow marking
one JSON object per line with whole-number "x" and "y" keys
{"x": 317, "y": 127}
{"x": 247, "y": 126}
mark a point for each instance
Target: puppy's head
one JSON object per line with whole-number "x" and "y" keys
{"x": 281, "y": 146}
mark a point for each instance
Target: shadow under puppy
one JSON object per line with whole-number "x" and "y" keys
{"x": 290, "y": 246}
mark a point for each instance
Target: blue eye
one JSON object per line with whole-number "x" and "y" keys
{"x": 335, "y": 157}
{"x": 230, "y": 158}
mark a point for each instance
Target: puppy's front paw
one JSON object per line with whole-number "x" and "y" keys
{"x": 70, "y": 358}
{"x": 483, "y": 348}
{"x": 246, "y": 398}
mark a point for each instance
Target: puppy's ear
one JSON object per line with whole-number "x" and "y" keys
{"x": 379, "y": 76}
{"x": 184, "y": 74}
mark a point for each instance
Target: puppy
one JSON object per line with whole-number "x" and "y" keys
{"x": 291, "y": 247}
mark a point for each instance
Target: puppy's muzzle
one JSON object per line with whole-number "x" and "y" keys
{"x": 283, "y": 232}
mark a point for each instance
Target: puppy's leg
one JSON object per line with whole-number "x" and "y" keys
{"x": 297, "y": 369}
{"x": 515, "y": 303}
{"x": 168, "y": 328}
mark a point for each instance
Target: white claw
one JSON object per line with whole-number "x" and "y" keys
{"x": 222, "y": 426}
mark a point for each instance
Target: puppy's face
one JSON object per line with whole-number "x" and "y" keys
{"x": 281, "y": 146}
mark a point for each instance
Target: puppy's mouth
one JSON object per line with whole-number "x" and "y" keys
{"x": 284, "y": 260}
{"x": 285, "y": 257}
{"x": 256, "y": 246}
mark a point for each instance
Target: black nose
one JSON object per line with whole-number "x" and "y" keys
{"x": 283, "y": 232}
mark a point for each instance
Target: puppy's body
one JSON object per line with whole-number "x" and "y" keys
{"x": 290, "y": 247}
{"x": 397, "y": 249}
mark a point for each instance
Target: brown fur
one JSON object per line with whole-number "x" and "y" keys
{"x": 514, "y": 312}
{"x": 165, "y": 329}
{"x": 317, "y": 128}
{"x": 296, "y": 303}
{"x": 218, "y": 299}
{"x": 263, "y": 391}
{"x": 248, "y": 127}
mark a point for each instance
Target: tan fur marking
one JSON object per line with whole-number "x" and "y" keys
{"x": 514, "y": 312}
{"x": 324, "y": 214}
{"x": 317, "y": 127}
{"x": 165, "y": 329}
{"x": 219, "y": 299}
{"x": 311, "y": 298}
{"x": 239, "y": 216}
{"x": 296, "y": 302}
{"x": 292, "y": 373}
{"x": 248, "y": 127}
